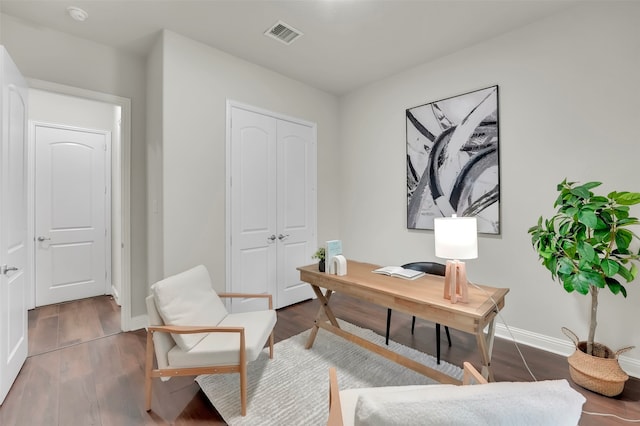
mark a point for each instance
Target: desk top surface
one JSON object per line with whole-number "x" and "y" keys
{"x": 426, "y": 290}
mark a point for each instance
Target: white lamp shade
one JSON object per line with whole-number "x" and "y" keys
{"x": 456, "y": 237}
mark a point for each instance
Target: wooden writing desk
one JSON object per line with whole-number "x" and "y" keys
{"x": 422, "y": 297}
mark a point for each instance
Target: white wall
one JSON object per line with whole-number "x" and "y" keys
{"x": 62, "y": 109}
{"x": 71, "y": 111}
{"x": 57, "y": 57}
{"x": 569, "y": 105}
{"x": 197, "y": 81}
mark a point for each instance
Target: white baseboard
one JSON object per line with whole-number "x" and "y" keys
{"x": 116, "y": 295}
{"x": 557, "y": 346}
{"x": 138, "y": 322}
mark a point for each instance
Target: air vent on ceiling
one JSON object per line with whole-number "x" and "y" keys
{"x": 283, "y": 32}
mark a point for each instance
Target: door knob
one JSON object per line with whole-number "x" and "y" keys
{"x": 41, "y": 239}
{"x": 272, "y": 238}
{"x": 283, "y": 237}
{"x": 6, "y": 269}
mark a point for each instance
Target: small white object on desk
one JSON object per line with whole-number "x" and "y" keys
{"x": 332, "y": 248}
{"x": 338, "y": 265}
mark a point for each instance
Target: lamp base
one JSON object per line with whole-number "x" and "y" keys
{"x": 455, "y": 282}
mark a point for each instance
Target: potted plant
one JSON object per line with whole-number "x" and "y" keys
{"x": 587, "y": 246}
{"x": 320, "y": 255}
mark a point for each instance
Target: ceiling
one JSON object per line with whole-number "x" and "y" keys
{"x": 346, "y": 44}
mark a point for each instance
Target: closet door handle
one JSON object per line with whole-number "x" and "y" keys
{"x": 272, "y": 238}
{"x": 283, "y": 237}
{"x": 6, "y": 269}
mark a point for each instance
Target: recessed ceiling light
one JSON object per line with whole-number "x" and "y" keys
{"x": 77, "y": 14}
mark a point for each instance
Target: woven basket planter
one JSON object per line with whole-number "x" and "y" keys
{"x": 601, "y": 372}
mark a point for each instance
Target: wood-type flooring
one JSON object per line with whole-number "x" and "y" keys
{"x": 82, "y": 371}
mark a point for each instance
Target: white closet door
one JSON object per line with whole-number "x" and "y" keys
{"x": 253, "y": 207}
{"x": 296, "y": 209}
{"x": 272, "y": 207}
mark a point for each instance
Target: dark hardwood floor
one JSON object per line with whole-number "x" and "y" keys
{"x": 80, "y": 373}
{"x": 57, "y": 326}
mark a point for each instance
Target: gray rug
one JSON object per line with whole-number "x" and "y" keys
{"x": 293, "y": 387}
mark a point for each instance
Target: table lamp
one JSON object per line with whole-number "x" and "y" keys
{"x": 456, "y": 238}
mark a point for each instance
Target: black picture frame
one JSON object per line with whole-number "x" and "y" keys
{"x": 453, "y": 161}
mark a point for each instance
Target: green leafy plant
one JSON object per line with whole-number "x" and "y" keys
{"x": 319, "y": 254}
{"x": 587, "y": 244}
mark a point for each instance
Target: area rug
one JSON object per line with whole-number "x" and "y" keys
{"x": 293, "y": 387}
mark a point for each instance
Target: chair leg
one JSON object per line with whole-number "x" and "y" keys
{"x": 446, "y": 329}
{"x": 271, "y": 338}
{"x": 243, "y": 389}
{"x": 388, "y": 324}
{"x": 413, "y": 324}
{"x": 147, "y": 371}
{"x": 438, "y": 343}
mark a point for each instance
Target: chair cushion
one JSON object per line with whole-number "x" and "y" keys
{"x": 223, "y": 348}
{"x": 188, "y": 299}
{"x": 551, "y": 402}
{"x": 349, "y": 398}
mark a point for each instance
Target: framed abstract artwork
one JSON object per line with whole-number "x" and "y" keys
{"x": 452, "y": 160}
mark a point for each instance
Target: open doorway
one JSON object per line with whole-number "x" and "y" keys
{"x": 70, "y": 107}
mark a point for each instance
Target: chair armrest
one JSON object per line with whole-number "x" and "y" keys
{"x": 335, "y": 409}
{"x": 249, "y": 296}
{"x": 470, "y": 375}
{"x": 185, "y": 329}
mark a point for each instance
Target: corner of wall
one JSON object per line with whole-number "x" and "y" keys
{"x": 155, "y": 123}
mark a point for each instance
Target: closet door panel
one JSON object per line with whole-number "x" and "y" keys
{"x": 253, "y": 207}
{"x": 296, "y": 208}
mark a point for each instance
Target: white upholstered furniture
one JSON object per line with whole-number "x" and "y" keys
{"x": 191, "y": 331}
{"x": 549, "y": 402}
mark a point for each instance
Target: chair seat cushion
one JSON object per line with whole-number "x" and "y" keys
{"x": 188, "y": 299}
{"x": 349, "y": 397}
{"x": 551, "y": 402}
{"x": 222, "y": 348}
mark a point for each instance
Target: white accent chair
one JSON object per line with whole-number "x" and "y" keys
{"x": 547, "y": 402}
{"x": 192, "y": 333}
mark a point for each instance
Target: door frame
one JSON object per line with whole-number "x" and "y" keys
{"x": 120, "y": 166}
{"x": 108, "y": 206}
{"x": 235, "y": 104}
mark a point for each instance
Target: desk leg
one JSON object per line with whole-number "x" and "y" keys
{"x": 324, "y": 313}
{"x": 485, "y": 345}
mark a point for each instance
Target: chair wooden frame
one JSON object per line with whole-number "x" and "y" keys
{"x": 241, "y": 367}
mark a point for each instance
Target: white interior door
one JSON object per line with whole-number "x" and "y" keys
{"x": 13, "y": 224}
{"x": 296, "y": 209}
{"x": 272, "y": 207}
{"x": 253, "y": 207}
{"x": 71, "y": 195}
